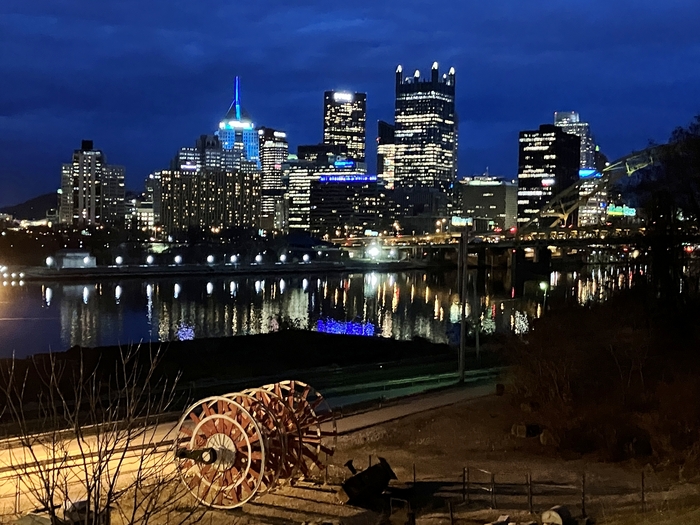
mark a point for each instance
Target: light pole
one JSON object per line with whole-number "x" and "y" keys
{"x": 544, "y": 287}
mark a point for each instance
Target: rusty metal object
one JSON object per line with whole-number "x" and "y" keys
{"x": 315, "y": 420}
{"x": 231, "y": 448}
{"x": 236, "y": 474}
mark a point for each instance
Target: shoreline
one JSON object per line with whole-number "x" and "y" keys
{"x": 110, "y": 272}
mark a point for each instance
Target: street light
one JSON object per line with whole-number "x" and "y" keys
{"x": 544, "y": 286}
{"x": 150, "y": 259}
{"x": 210, "y": 259}
{"x": 283, "y": 258}
{"x": 178, "y": 259}
{"x": 119, "y": 260}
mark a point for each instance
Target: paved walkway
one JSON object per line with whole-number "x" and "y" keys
{"x": 413, "y": 406}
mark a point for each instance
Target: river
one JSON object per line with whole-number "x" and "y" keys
{"x": 38, "y": 317}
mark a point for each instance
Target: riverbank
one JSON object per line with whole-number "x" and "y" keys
{"x": 199, "y": 270}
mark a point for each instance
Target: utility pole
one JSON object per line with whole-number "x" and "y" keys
{"x": 463, "y": 270}
{"x": 477, "y": 313}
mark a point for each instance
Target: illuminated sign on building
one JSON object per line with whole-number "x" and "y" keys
{"x": 341, "y": 96}
{"x": 585, "y": 173}
{"x": 348, "y": 178}
{"x": 622, "y": 211}
{"x": 344, "y": 164}
{"x": 235, "y": 124}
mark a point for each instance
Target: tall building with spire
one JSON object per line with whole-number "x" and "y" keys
{"x": 237, "y": 132}
{"x": 344, "y": 122}
{"x": 425, "y": 141}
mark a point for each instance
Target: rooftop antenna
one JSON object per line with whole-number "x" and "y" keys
{"x": 237, "y": 98}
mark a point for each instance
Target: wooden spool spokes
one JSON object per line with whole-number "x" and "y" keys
{"x": 315, "y": 419}
{"x": 289, "y": 428}
{"x": 274, "y": 436}
{"x": 231, "y": 469}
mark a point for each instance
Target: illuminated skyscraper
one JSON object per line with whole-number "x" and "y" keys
{"x": 426, "y": 138}
{"x": 344, "y": 121}
{"x": 300, "y": 174}
{"x": 570, "y": 121}
{"x": 386, "y": 153}
{"x": 548, "y": 163}
{"x": 592, "y": 213}
{"x": 274, "y": 151}
{"x": 237, "y": 131}
{"x": 92, "y": 192}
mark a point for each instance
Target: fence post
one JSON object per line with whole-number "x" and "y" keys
{"x": 583, "y": 494}
{"x": 644, "y": 501}
{"x": 17, "y": 496}
{"x": 468, "y": 486}
{"x": 414, "y": 474}
{"x": 452, "y": 518}
{"x": 493, "y": 490}
{"x": 464, "y": 484}
{"x": 529, "y": 492}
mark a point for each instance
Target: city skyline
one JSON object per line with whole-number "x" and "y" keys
{"x": 68, "y": 73}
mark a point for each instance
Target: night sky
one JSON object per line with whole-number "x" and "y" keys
{"x": 143, "y": 78}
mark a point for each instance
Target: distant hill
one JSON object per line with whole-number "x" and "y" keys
{"x": 33, "y": 209}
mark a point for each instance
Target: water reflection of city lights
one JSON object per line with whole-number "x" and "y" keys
{"x": 305, "y": 284}
{"x": 233, "y": 288}
{"x": 117, "y": 293}
{"x": 520, "y": 323}
{"x": 176, "y": 290}
{"x": 86, "y": 295}
{"x": 149, "y": 291}
{"x": 283, "y": 285}
{"x": 210, "y": 288}
{"x": 48, "y": 296}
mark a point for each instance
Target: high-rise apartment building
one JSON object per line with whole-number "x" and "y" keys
{"x": 425, "y": 138}
{"x": 92, "y": 192}
{"x": 274, "y": 150}
{"x": 210, "y": 198}
{"x": 386, "y": 154}
{"x": 548, "y": 163}
{"x": 593, "y": 212}
{"x": 344, "y": 122}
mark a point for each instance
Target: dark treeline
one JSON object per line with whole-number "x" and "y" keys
{"x": 622, "y": 378}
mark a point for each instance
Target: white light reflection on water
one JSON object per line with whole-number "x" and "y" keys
{"x": 394, "y": 304}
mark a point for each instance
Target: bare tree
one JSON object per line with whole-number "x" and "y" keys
{"x": 94, "y": 432}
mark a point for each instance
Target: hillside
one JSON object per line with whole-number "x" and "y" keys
{"x": 32, "y": 209}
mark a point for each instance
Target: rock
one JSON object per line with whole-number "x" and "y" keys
{"x": 526, "y": 431}
{"x": 558, "y": 515}
{"x": 519, "y": 431}
{"x": 548, "y": 439}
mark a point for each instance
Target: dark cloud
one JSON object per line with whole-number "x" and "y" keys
{"x": 144, "y": 78}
